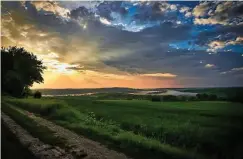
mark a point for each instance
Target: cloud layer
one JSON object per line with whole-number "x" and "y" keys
{"x": 130, "y": 44}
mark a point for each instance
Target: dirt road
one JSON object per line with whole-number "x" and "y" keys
{"x": 77, "y": 146}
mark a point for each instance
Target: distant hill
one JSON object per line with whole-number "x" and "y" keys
{"x": 86, "y": 90}
{"x": 218, "y": 91}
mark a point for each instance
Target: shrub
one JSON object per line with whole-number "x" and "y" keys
{"x": 203, "y": 96}
{"x": 236, "y": 98}
{"x": 183, "y": 98}
{"x": 192, "y": 98}
{"x": 170, "y": 98}
{"x": 155, "y": 99}
{"x": 212, "y": 97}
{"x": 37, "y": 94}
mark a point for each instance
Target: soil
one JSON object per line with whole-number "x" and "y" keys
{"x": 76, "y": 146}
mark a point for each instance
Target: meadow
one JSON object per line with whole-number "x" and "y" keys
{"x": 146, "y": 129}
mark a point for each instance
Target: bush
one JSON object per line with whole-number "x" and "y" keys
{"x": 236, "y": 98}
{"x": 205, "y": 96}
{"x": 37, "y": 94}
{"x": 202, "y": 96}
{"x": 155, "y": 99}
{"x": 212, "y": 97}
{"x": 170, "y": 98}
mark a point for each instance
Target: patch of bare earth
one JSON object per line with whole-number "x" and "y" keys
{"x": 77, "y": 143}
{"x": 34, "y": 145}
{"x": 76, "y": 146}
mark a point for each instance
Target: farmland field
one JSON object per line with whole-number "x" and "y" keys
{"x": 145, "y": 129}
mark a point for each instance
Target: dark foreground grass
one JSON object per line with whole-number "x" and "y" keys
{"x": 11, "y": 148}
{"x": 107, "y": 132}
{"x": 150, "y": 129}
{"x": 42, "y": 133}
{"x": 210, "y": 127}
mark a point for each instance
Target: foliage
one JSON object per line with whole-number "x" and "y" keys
{"x": 205, "y": 96}
{"x": 170, "y": 98}
{"x": 236, "y": 98}
{"x": 220, "y": 92}
{"x": 37, "y": 94}
{"x": 27, "y": 92}
{"x": 20, "y": 69}
{"x": 156, "y": 99}
{"x": 212, "y": 97}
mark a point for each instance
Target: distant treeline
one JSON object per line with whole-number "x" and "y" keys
{"x": 165, "y": 98}
{"x": 221, "y": 91}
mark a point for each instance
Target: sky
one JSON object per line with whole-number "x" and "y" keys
{"x": 138, "y": 44}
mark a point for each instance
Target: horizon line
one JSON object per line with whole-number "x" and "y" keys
{"x": 144, "y": 88}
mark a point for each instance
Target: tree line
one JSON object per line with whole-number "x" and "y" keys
{"x": 20, "y": 69}
{"x": 170, "y": 98}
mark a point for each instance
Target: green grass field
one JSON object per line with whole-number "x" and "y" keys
{"x": 146, "y": 129}
{"x": 220, "y": 92}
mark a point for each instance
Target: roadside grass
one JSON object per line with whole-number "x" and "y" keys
{"x": 107, "y": 132}
{"x": 41, "y": 132}
{"x": 209, "y": 127}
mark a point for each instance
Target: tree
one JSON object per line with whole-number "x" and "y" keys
{"x": 20, "y": 69}
{"x": 27, "y": 92}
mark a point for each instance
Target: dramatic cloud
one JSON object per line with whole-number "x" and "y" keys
{"x": 105, "y": 21}
{"x": 129, "y": 44}
{"x": 212, "y": 21}
{"x": 209, "y": 65}
{"x": 215, "y": 45}
{"x": 201, "y": 9}
{"x": 238, "y": 40}
{"x": 166, "y": 75}
{"x": 165, "y": 7}
{"x": 52, "y": 7}
{"x": 232, "y": 70}
{"x": 184, "y": 9}
{"x": 224, "y": 13}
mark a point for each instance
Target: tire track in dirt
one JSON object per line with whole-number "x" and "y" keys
{"x": 35, "y": 146}
{"x": 77, "y": 143}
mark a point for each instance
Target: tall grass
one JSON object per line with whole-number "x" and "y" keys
{"x": 106, "y": 131}
{"x": 149, "y": 128}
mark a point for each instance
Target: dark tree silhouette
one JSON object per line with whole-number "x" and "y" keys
{"x": 20, "y": 69}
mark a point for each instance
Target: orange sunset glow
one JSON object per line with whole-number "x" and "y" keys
{"x": 86, "y": 45}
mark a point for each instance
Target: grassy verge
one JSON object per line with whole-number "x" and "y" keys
{"x": 107, "y": 132}
{"x": 43, "y": 133}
